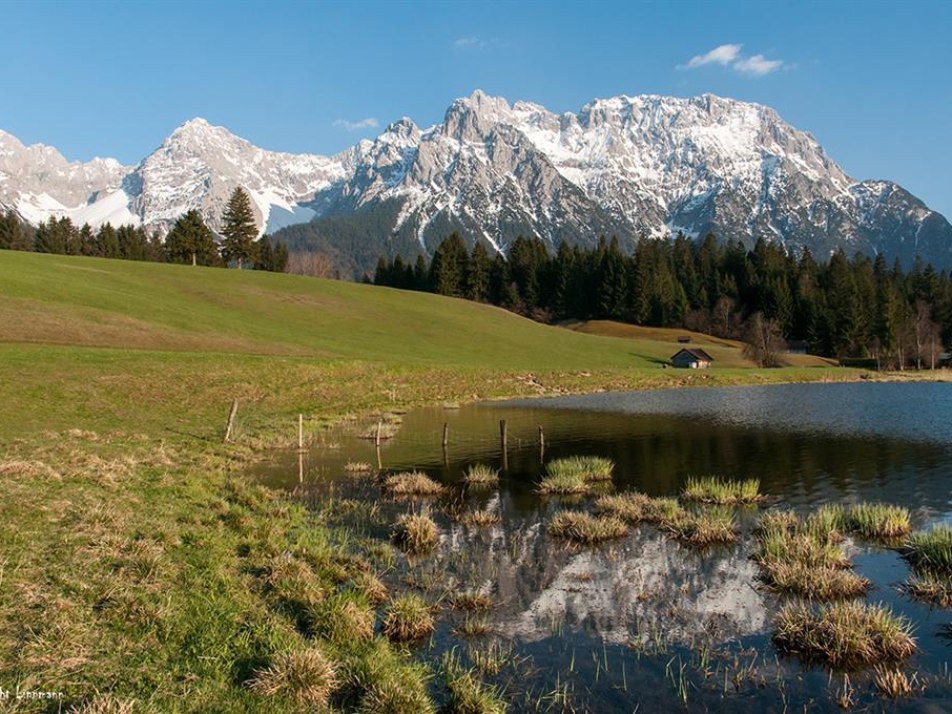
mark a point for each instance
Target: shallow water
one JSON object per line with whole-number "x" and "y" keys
{"x": 645, "y": 622}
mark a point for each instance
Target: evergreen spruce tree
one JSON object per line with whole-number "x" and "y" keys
{"x": 477, "y": 278}
{"x": 107, "y": 243}
{"x": 191, "y": 241}
{"x": 238, "y": 229}
{"x": 264, "y": 254}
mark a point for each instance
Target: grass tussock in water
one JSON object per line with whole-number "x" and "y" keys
{"x": 411, "y": 483}
{"x": 844, "y": 634}
{"x": 629, "y": 506}
{"x": 479, "y": 518}
{"x": 878, "y": 520}
{"x": 473, "y": 627}
{"x": 467, "y": 692}
{"x": 929, "y": 586}
{"x": 721, "y": 491}
{"x": 893, "y": 683}
{"x": 801, "y": 548}
{"x": 580, "y": 527}
{"x": 371, "y": 587}
{"x": 779, "y": 522}
{"x": 481, "y": 476}
{"x": 307, "y": 676}
{"x": 585, "y": 468}
{"x": 408, "y": 619}
{"x": 343, "y": 618}
{"x": 415, "y": 533}
{"x": 563, "y": 484}
{"x": 813, "y": 582}
{"x": 471, "y": 602}
{"x": 358, "y": 467}
{"x": 710, "y": 526}
{"x": 826, "y": 524}
{"x": 930, "y": 550}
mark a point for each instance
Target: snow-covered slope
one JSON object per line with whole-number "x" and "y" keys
{"x": 626, "y": 166}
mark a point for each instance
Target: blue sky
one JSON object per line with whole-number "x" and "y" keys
{"x": 871, "y": 80}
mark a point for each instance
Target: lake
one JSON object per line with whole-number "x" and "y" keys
{"x": 645, "y": 622}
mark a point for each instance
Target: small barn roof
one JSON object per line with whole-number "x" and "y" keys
{"x": 695, "y": 352}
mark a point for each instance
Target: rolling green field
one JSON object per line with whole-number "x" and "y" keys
{"x": 138, "y": 570}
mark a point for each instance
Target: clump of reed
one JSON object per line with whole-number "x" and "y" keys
{"x": 307, "y": 676}
{"x": 721, "y": 491}
{"x": 562, "y": 485}
{"x": 781, "y": 522}
{"x": 662, "y": 510}
{"x": 844, "y": 634}
{"x": 930, "y": 550}
{"x": 371, "y": 587}
{"x": 358, "y": 467}
{"x": 481, "y": 476}
{"x": 893, "y": 682}
{"x": 813, "y": 582}
{"x": 929, "y": 586}
{"x": 586, "y": 468}
{"x": 473, "y": 627}
{"x": 710, "y": 526}
{"x": 471, "y": 602}
{"x": 799, "y": 547}
{"x": 407, "y": 619}
{"x": 411, "y": 483}
{"x": 584, "y": 528}
{"x": 878, "y": 520}
{"x": 467, "y": 693}
{"x": 479, "y": 518}
{"x": 630, "y": 506}
{"x": 826, "y": 524}
{"x": 415, "y": 533}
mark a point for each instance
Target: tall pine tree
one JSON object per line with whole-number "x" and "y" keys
{"x": 238, "y": 229}
{"x": 191, "y": 241}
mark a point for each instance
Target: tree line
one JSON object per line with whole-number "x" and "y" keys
{"x": 845, "y": 307}
{"x": 189, "y": 241}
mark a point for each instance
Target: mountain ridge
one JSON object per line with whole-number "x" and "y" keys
{"x": 624, "y": 165}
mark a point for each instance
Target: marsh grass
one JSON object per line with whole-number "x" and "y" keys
{"x": 411, "y": 483}
{"x": 630, "y": 506}
{"x": 709, "y": 526}
{"x": 342, "y": 618}
{"x": 844, "y": 634}
{"x": 307, "y": 676}
{"x": 408, "y": 619}
{"x": 377, "y": 680}
{"x": 584, "y": 468}
{"x": 471, "y": 601}
{"x": 930, "y": 550}
{"x": 358, "y": 467}
{"x": 893, "y": 682}
{"x": 563, "y": 484}
{"x": 467, "y": 692}
{"x": 721, "y": 491}
{"x": 481, "y": 476}
{"x": 814, "y": 582}
{"x": 929, "y": 586}
{"x": 878, "y": 520}
{"x": 473, "y": 627}
{"x": 415, "y": 533}
{"x": 371, "y": 587}
{"x": 584, "y": 528}
{"x": 479, "y": 518}
{"x": 826, "y": 524}
{"x": 799, "y": 548}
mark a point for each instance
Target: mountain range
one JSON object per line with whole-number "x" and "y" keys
{"x": 625, "y": 166}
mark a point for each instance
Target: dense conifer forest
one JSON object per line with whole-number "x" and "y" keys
{"x": 843, "y": 306}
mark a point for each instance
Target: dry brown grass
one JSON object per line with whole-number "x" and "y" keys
{"x": 893, "y": 682}
{"x": 415, "y": 533}
{"x": 307, "y": 676}
{"x": 408, "y": 619}
{"x": 472, "y": 602}
{"x": 479, "y": 518}
{"x": 412, "y": 483}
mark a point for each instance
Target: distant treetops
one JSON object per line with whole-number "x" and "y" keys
{"x": 190, "y": 240}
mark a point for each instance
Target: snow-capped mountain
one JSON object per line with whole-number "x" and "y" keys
{"x": 625, "y": 166}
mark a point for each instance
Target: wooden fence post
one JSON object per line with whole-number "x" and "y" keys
{"x": 231, "y": 420}
{"x": 300, "y": 432}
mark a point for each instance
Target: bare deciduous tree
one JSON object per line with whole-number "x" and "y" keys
{"x": 763, "y": 342}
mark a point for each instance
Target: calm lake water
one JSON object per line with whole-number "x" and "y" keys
{"x": 645, "y": 623}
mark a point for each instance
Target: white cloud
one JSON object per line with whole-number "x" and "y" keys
{"x": 730, "y": 56}
{"x": 368, "y": 123}
{"x": 474, "y": 42}
{"x": 723, "y": 55}
{"x": 758, "y": 65}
